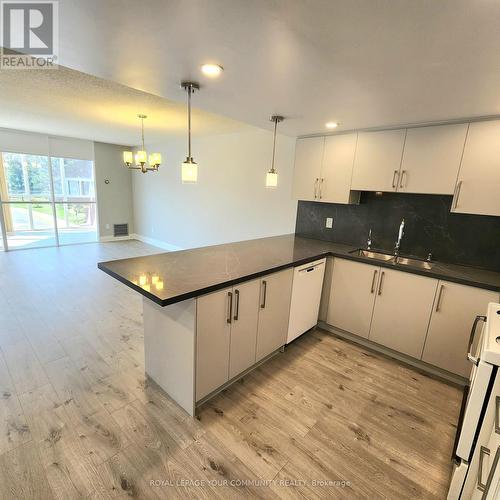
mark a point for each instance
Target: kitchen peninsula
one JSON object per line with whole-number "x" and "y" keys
{"x": 212, "y": 314}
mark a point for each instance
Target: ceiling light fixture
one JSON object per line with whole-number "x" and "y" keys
{"x": 189, "y": 173}
{"x": 331, "y": 125}
{"x": 141, "y": 157}
{"x": 212, "y": 70}
{"x": 272, "y": 175}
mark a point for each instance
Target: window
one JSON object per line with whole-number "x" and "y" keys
{"x": 46, "y": 201}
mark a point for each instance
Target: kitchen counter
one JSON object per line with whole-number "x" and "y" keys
{"x": 172, "y": 277}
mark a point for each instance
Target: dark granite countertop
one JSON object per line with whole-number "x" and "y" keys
{"x": 171, "y": 277}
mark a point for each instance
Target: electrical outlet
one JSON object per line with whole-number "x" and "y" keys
{"x": 108, "y": 226}
{"x": 329, "y": 222}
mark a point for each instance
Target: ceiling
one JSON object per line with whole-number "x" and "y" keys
{"x": 73, "y": 104}
{"x": 363, "y": 63}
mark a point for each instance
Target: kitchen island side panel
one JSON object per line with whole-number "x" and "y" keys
{"x": 170, "y": 349}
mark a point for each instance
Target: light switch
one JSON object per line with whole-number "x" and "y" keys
{"x": 329, "y": 222}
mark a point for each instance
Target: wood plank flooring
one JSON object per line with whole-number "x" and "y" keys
{"x": 78, "y": 419}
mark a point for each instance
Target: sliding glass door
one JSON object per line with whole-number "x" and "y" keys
{"x": 74, "y": 196}
{"x": 46, "y": 201}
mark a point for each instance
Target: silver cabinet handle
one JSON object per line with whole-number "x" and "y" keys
{"x": 237, "y": 305}
{"x": 403, "y": 177}
{"x": 470, "y": 357}
{"x": 394, "y": 181}
{"x": 493, "y": 468}
{"x": 482, "y": 453}
{"x": 373, "y": 280}
{"x": 320, "y": 186}
{"x": 229, "y": 307}
{"x": 264, "y": 294}
{"x": 456, "y": 194}
{"x": 497, "y": 414}
{"x": 438, "y": 303}
{"x": 380, "y": 283}
{"x": 316, "y": 188}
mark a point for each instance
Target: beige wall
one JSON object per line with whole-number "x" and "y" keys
{"x": 114, "y": 200}
{"x": 229, "y": 202}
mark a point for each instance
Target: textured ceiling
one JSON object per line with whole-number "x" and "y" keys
{"x": 70, "y": 103}
{"x": 362, "y": 62}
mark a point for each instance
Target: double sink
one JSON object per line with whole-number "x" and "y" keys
{"x": 390, "y": 258}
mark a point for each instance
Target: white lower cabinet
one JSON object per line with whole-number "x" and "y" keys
{"x": 213, "y": 330}
{"x": 352, "y": 296}
{"x": 421, "y": 317}
{"x": 455, "y": 308}
{"x": 402, "y": 311}
{"x": 276, "y": 292}
{"x": 238, "y": 326}
{"x": 244, "y": 326}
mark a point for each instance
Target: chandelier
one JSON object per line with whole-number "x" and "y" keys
{"x": 141, "y": 157}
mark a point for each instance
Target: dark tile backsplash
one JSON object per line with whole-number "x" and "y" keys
{"x": 472, "y": 240}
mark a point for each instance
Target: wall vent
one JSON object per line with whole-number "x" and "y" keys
{"x": 120, "y": 230}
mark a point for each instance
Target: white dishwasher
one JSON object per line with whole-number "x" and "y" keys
{"x": 306, "y": 296}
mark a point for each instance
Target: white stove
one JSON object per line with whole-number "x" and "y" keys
{"x": 477, "y": 447}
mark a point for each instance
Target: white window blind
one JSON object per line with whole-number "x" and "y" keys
{"x": 14, "y": 141}
{"x": 62, "y": 147}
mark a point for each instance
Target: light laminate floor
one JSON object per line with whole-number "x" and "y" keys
{"x": 78, "y": 419}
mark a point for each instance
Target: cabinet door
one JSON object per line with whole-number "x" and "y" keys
{"x": 402, "y": 311}
{"x": 377, "y": 161}
{"x": 479, "y": 177}
{"x": 455, "y": 308}
{"x": 336, "y": 173}
{"x": 274, "y": 311}
{"x": 431, "y": 159}
{"x": 307, "y": 172}
{"x": 352, "y": 295}
{"x": 244, "y": 326}
{"x": 213, "y": 330}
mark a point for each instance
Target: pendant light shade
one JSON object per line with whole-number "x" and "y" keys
{"x": 272, "y": 175}
{"x": 189, "y": 169}
{"x": 271, "y": 179}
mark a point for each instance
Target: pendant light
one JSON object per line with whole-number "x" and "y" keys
{"x": 272, "y": 175}
{"x": 141, "y": 157}
{"x": 189, "y": 172}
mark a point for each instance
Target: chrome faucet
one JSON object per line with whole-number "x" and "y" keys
{"x": 400, "y": 237}
{"x": 369, "y": 240}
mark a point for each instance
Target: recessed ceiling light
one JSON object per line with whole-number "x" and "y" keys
{"x": 211, "y": 70}
{"x": 331, "y": 125}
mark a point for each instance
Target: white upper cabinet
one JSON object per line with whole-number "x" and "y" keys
{"x": 378, "y": 160}
{"x": 323, "y": 169}
{"x": 478, "y": 187}
{"x": 431, "y": 159}
{"x": 336, "y": 173}
{"x": 307, "y": 173}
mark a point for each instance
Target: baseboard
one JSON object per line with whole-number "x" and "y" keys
{"x": 107, "y": 239}
{"x": 416, "y": 363}
{"x": 155, "y": 242}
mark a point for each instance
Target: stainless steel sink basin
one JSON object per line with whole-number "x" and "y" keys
{"x": 361, "y": 252}
{"x": 387, "y": 257}
{"x": 421, "y": 264}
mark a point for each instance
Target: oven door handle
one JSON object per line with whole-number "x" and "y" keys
{"x": 470, "y": 357}
{"x": 460, "y": 422}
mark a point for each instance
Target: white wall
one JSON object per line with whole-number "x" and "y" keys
{"x": 114, "y": 200}
{"x": 230, "y": 201}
